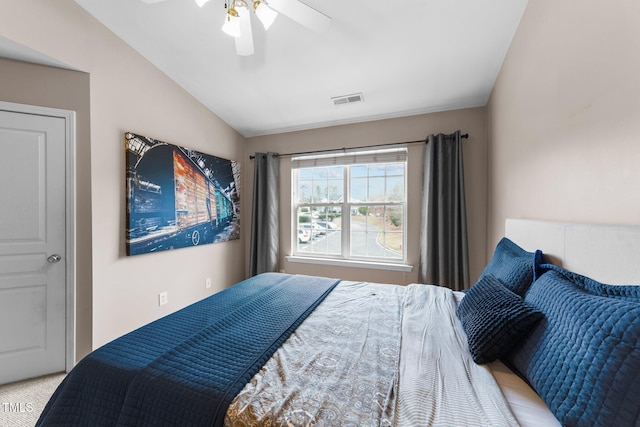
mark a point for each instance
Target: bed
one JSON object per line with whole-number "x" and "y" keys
{"x": 535, "y": 342}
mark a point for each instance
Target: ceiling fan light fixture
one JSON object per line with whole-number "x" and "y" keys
{"x": 265, "y": 14}
{"x": 231, "y": 24}
{"x": 237, "y": 21}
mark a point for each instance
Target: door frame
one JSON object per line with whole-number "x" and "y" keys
{"x": 70, "y": 214}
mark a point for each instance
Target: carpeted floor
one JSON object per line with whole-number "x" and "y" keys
{"x": 21, "y": 403}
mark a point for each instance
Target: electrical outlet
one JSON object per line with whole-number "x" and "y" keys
{"x": 207, "y": 283}
{"x": 163, "y": 298}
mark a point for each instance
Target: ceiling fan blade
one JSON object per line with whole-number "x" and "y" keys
{"x": 244, "y": 43}
{"x": 302, "y": 14}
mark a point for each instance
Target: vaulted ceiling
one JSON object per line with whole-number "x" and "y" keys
{"x": 410, "y": 57}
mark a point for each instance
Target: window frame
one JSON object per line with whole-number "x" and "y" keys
{"x": 345, "y": 257}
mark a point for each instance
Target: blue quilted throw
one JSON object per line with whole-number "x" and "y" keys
{"x": 186, "y": 368}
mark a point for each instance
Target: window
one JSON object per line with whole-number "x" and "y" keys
{"x": 350, "y": 205}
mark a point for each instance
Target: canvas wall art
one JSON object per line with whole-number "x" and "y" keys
{"x": 178, "y": 197}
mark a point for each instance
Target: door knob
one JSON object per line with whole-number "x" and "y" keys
{"x": 52, "y": 259}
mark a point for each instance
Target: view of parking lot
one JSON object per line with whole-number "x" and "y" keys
{"x": 371, "y": 236}
{"x": 352, "y": 210}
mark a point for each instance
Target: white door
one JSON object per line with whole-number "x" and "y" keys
{"x": 32, "y": 245}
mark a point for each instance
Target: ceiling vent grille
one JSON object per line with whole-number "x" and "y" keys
{"x": 347, "y": 99}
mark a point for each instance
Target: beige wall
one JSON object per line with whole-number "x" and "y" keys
{"x": 564, "y": 117}
{"x": 67, "y": 90}
{"x": 470, "y": 121}
{"x": 126, "y": 94}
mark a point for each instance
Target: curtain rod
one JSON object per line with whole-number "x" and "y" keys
{"x": 464, "y": 136}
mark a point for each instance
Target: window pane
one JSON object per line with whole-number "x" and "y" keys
{"x": 395, "y": 189}
{"x": 335, "y": 172}
{"x": 393, "y": 237}
{"x": 381, "y": 183}
{"x": 319, "y": 173}
{"x": 392, "y": 244}
{"x": 304, "y": 173}
{"x": 359, "y": 234}
{"x": 303, "y": 226}
{"x": 320, "y": 185}
{"x": 319, "y": 192}
{"x": 376, "y": 189}
{"x": 377, "y": 231}
{"x": 304, "y": 191}
{"x": 335, "y": 189}
{"x": 376, "y": 170}
{"x": 358, "y": 171}
{"x": 358, "y": 190}
{"x": 395, "y": 169}
{"x": 320, "y": 230}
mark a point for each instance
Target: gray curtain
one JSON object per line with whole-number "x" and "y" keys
{"x": 444, "y": 254}
{"x": 264, "y": 243}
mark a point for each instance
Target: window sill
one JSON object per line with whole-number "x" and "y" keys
{"x": 350, "y": 263}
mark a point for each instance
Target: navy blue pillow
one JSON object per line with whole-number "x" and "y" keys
{"x": 494, "y": 319}
{"x": 583, "y": 358}
{"x": 513, "y": 266}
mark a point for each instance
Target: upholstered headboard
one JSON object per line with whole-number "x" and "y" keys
{"x": 583, "y": 357}
{"x": 607, "y": 253}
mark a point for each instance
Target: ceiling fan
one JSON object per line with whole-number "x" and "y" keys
{"x": 237, "y": 21}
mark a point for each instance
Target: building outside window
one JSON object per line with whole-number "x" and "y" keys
{"x": 350, "y": 205}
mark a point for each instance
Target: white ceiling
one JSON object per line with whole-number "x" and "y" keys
{"x": 423, "y": 56}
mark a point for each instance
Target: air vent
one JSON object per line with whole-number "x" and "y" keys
{"x": 347, "y": 99}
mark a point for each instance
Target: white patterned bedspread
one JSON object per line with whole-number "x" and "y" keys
{"x": 374, "y": 355}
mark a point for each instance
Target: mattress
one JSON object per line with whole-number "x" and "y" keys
{"x": 359, "y": 333}
{"x": 526, "y": 405}
{"x": 351, "y": 354}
